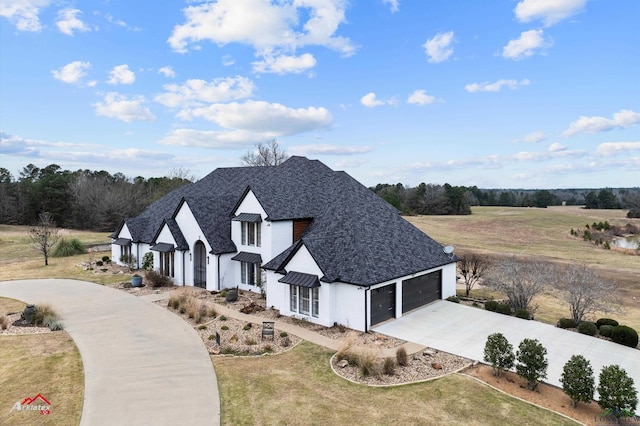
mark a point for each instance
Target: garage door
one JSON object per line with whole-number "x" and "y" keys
{"x": 421, "y": 290}
{"x": 383, "y": 303}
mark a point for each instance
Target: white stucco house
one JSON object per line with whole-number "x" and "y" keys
{"x": 322, "y": 246}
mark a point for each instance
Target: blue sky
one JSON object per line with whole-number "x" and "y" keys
{"x": 500, "y": 94}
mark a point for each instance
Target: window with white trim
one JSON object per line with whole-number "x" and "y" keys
{"x": 251, "y": 234}
{"x": 167, "y": 264}
{"x": 304, "y": 300}
{"x": 125, "y": 251}
{"x": 249, "y": 273}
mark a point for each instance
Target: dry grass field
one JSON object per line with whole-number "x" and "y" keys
{"x": 47, "y": 364}
{"x": 543, "y": 233}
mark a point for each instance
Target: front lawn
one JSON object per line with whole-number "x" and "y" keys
{"x": 298, "y": 387}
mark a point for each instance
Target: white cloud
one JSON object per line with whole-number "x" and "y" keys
{"x": 72, "y": 73}
{"x": 351, "y": 162}
{"x": 613, "y": 148}
{"x": 213, "y": 139}
{"x": 621, "y": 119}
{"x": 439, "y": 47}
{"x": 122, "y": 108}
{"x": 534, "y": 137}
{"x": 393, "y": 4}
{"x": 524, "y": 46}
{"x": 167, "y": 72}
{"x": 285, "y": 64}
{"x": 197, "y": 92}
{"x": 549, "y": 11}
{"x": 68, "y": 22}
{"x": 270, "y": 119}
{"x": 23, "y": 13}
{"x": 496, "y": 86}
{"x": 272, "y": 29}
{"x": 557, "y": 147}
{"x": 420, "y": 97}
{"x": 371, "y": 101}
{"x": 325, "y": 149}
{"x": 121, "y": 74}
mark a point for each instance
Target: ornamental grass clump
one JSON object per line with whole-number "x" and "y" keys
{"x": 68, "y": 247}
{"x": 401, "y": 357}
{"x": 368, "y": 363}
{"x": 46, "y": 316}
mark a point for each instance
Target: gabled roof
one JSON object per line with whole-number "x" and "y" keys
{"x": 355, "y": 236}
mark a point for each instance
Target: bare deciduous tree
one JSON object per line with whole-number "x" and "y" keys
{"x": 520, "y": 280}
{"x": 584, "y": 290}
{"x": 472, "y": 267}
{"x": 269, "y": 154}
{"x": 44, "y": 236}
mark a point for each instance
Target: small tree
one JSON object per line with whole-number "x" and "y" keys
{"x": 617, "y": 392}
{"x": 532, "y": 361}
{"x": 584, "y": 291}
{"x": 520, "y": 280}
{"x": 577, "y": 380}
{"x": 499, "y": 353}
{"x": 130, "y": 261}
{"x": 269, "y": 154}
{"x": 44, "y": 236}
{"x": 472, "y": 268}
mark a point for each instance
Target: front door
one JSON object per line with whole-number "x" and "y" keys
{"x": 200, "y": 265}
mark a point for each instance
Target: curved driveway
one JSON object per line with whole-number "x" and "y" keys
{"x": 142, "y": 364}
{"x": 463, "y": 330}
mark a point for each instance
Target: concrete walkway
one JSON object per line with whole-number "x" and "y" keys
{"x": 142, "y": 364}
{"x": 463, "y": 330}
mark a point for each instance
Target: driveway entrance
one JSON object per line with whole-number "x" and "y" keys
{"x": 463, "y": 330}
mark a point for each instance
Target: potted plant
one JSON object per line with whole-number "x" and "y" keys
{"x": 136, "y": 280}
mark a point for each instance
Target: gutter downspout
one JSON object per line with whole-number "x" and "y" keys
{"x": 218, "y": 272}
{"x": 184, "y": 269}
{"x": 366, "y": 324}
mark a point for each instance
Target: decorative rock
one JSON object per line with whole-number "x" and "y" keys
{"x": 343, "y": 363}
{"x": 428, "y": 352}
{"x": 436, "y": 366}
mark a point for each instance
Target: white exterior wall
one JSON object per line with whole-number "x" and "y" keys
{"x": 115, "y": 248}
{"x": 449, "y": 280}
{"x": 165, "y": 236}
{"x": 192, "y": 233}
{"x": 349, "y": 305}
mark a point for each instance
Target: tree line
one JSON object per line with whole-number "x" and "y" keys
{"x": 81, "y": 199}
{"x": 447, "y": 199}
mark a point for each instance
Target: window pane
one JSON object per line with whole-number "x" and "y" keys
{"x": 258, "y": 234}
{"x": 315, "y": 302}
{"x": 243, "y": 272}
{"x": 251, "y": 233}
{"x": 304, "y": 300}
{"x": 243, "y": 226}
{"x": 293, "y": 298}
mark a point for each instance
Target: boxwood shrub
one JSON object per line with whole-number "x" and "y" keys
{"x": 503, "y": 309}
{"x": 605, "y": 330}
{"x": 625, "y": 336}
{"x": 491, "y": 305}
{"x": 587, "y": 328}
{"x": 523, "y": 313}
{"x": 606, "y": 321}
{"x": 566, "y": 323}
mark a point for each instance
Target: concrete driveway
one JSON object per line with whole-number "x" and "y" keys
{"x": 463, "y": 330}
{"x": 142, "y": 364}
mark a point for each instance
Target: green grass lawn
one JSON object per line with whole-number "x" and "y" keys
{"x": 299, "y": 388}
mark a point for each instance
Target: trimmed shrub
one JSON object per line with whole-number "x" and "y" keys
{"x": 68, "y": 247}
{"x": 106, "y": 259}
{"x": 99, "y": 263}
{"x": 606, "y": 321}
{"x": 587, "y": 328}
{"x": 491, "y": 305}
{"x": 605, "y": 330}
{"x": 224, "y": 327}
{"x": 503, "y": 309}
{"x": 158, "y": 280}
{"x": 401, "y": 357}
{"x": 453, "y": 299}
{"x": 566, "y": 323}
{"x": 284, "y": 334}
{"x": 523, "y": 313}
{"x": 625, "y": 336}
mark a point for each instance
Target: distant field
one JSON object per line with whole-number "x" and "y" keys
{"x": 544, "y": 233}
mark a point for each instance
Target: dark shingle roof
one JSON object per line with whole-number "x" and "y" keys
{"x": 355, "y": 236}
